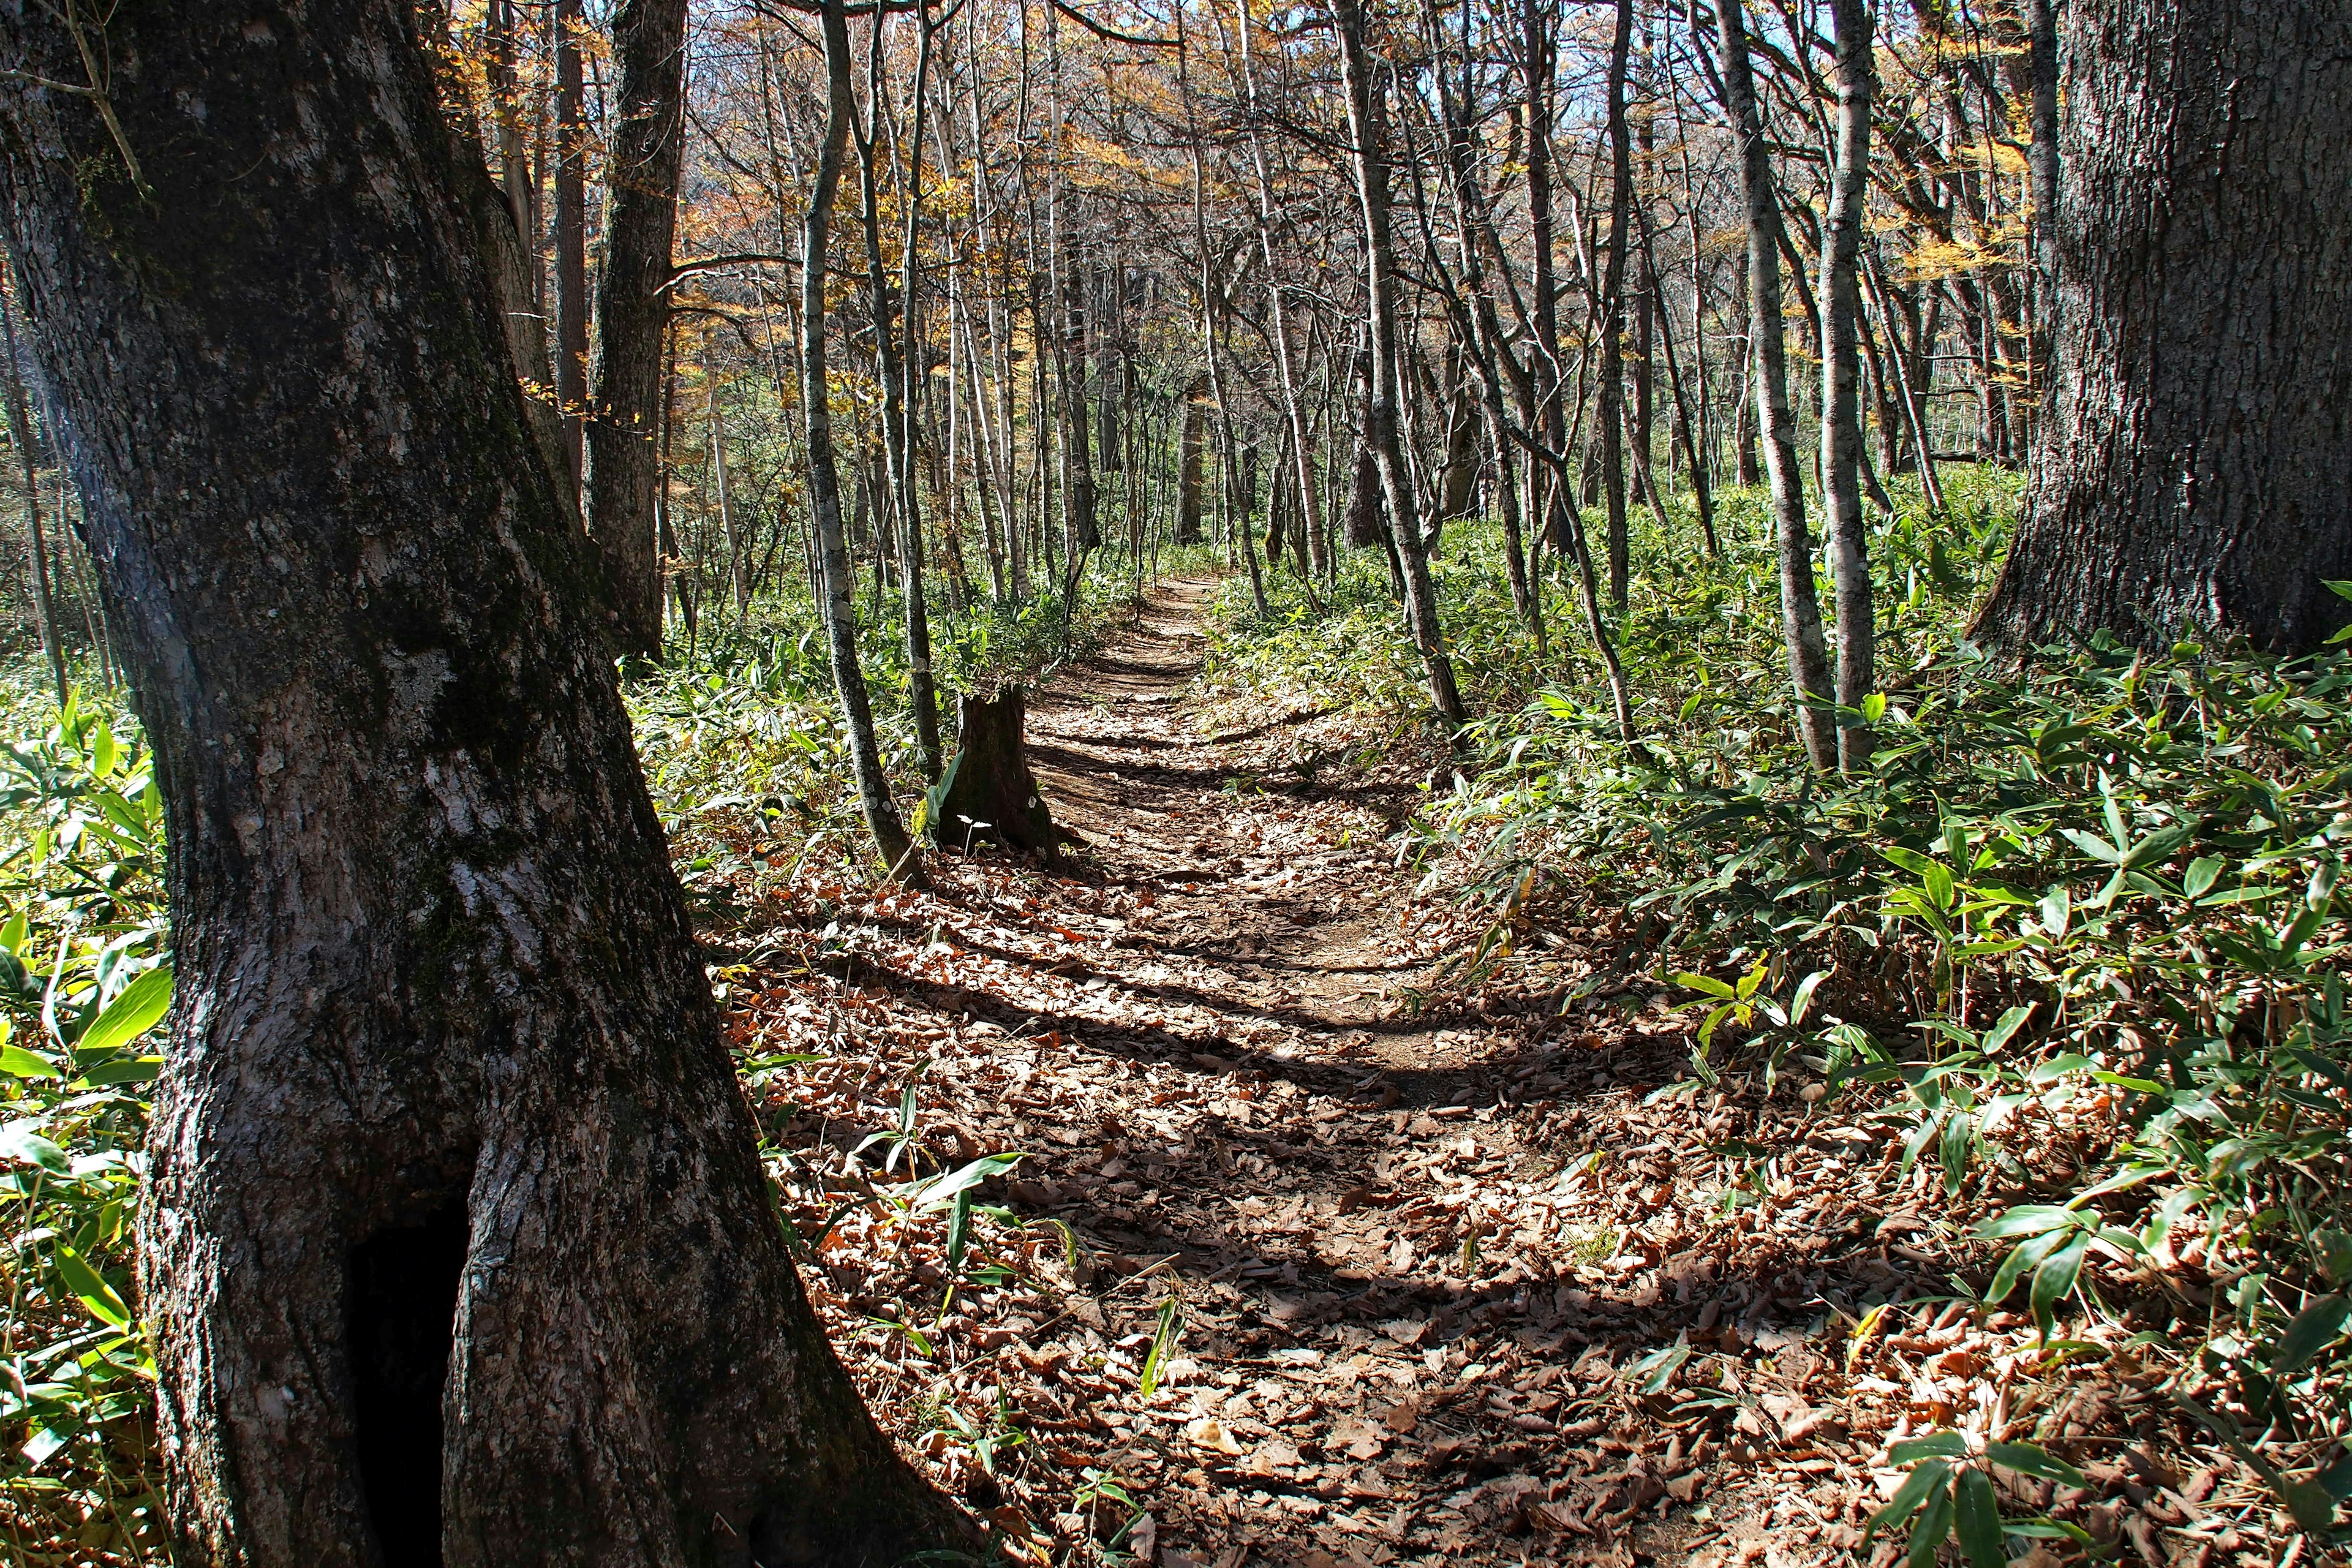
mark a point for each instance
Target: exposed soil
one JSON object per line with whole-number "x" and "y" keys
{"x": 1412, "y": 1279}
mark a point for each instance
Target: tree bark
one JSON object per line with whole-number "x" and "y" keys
{"x": 570, "y": 243}
{"x": 836, "y": 573}
{"x": 1611, "y": 416}
{"x": 2191, "y": 474}
{"x": 1370, "y": 157}
{"x": 1800, "y": 613}
{"x": 992, "y": 795}
{"x": 455, "y": 1246}
{"x": 36, "y": 547}
{"x": 1841, "y": 453}
{"x": 632, "y": 307}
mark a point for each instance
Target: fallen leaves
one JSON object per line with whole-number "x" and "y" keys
{"x": 1440, "y": 1289}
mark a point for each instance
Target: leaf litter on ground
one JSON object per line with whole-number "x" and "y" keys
{"x": 1167, "y": 1209}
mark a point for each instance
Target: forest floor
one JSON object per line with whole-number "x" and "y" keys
{"x": 1309, "y": 1262}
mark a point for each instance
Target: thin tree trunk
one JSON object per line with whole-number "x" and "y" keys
{"x": 570, "y": 243}
{"x": 1611, "y": 416}
{"x": 1365, "y": 126}
{"x": 834, "y": 569}
{"x": 1800, "y": 614}
{"x": 645, "y": 153}
{"x": 1841, "y": 453}
{"x": 36, "y": 548}
{"x": 454, "y": 1243}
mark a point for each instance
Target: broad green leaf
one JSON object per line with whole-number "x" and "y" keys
{"x": 122, "y": 1070}
{"x": 1932, "y": 1528}
{"x": 93, "y": 1290}
{"x": 2203, "y": 872}
{"x": 2029, "y": 1459}
{"x": 2309, "y": 1502}
{"x": 2312, "y": 1330}
{"x": 2055, "y": 909}
{"x": 2091, "y": 844}
{"x": 2005, "y": 1028}
{"x": 2023, "y": 1259}
{"x": 136, "y": 1009}
{"x": 1977, "y": 1520}
{"x": 1940, "y": 1445}
{"x": 1907, "y": 1498}
{"x": 941, "y": 1189}
{"x": 18, "y": 1062}
{"x": 2054, "y": 1279}
{"x": 1910, "y": 860}
{"x": 19, "y": 1141}
{"x": 959, "y": 1229}
{"x": 1706, "y": 983}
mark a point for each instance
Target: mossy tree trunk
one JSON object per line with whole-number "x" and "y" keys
{"x": 455, "y": 1247}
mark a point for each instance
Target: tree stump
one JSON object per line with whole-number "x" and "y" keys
{"x": 990, "y": 791}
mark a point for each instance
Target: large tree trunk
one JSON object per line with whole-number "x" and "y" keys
{"x": 2192, "y": 472}
{"x": 1800, "y": 611}
{"x": 1841, "y": 453}
{"x": 455, "y": 1246}
{"x": 647, "y": 139}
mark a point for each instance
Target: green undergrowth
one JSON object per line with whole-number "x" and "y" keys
{"x": 2074, "y": 937}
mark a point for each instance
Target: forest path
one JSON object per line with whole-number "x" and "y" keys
{"x": 1405, "y": 1264}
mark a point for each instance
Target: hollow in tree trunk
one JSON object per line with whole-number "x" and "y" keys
{"x": 455, "y": 1247}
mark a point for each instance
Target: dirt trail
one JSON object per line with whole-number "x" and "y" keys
{"x": 1443, "y": 1287}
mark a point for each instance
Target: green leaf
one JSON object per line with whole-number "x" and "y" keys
{"x": 1977, "y": 1519}
{"x": 1804, "y": 996}
{"x": 1706, "y": 984}
{"x": 18, "y": 1062}
{"x": 959, "y": 1229}
{"x": 1907, "y": 1498}
{"x": 2314, "y": 1329}
{"x": 1163, "y": 1340}
{"x": 1932, "y": 1528}
{"x": 2203, "y": 872}
{"x": 2055, "y": 909}
{"x": 94, "y": 1292}
{"x": 136, "y": 1009}
{"x": 2029, "y": 1460}
{"x": 2313, "y": 1509}
{"x": 1910, "y": 860}
{"x": 1661, "y": 1367}
{"x": 2026, "y": 1219}
{"x": 2091, "y": 844}
{"x": 2054, "y": 1279}
{"x": 122, "y": 1070}
{"x": 2157, "y": 845}
{"x": 2005, "y": 1028}
{"x": 941, "y": 1190}
{"x": 19, "y": 1141}
{"x": 1939, "y": 880}
{"x": 1873, "y": 707}
{"x": 1940, "y": 1445}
